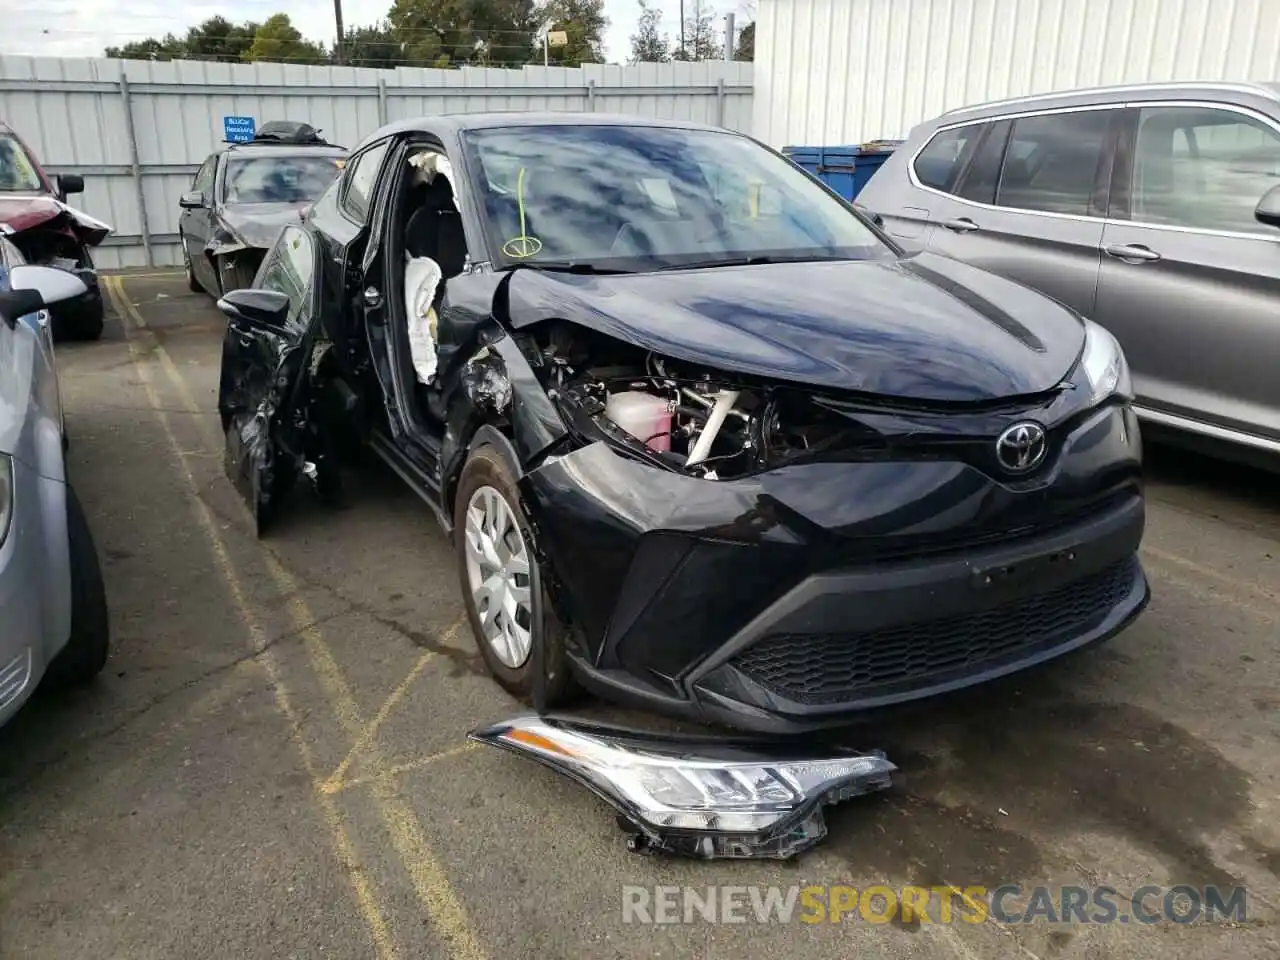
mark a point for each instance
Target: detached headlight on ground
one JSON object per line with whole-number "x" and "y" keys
{"x": 1104, "y": 365}
{"x": 702, "y": 797}
{"x": 6, "y": 495}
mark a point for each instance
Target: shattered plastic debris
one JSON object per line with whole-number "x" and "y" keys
{"x": 485, "y": 380}
{"x": 702, "y": 797}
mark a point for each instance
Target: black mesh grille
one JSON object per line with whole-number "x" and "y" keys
{"x": 820, "y": 668}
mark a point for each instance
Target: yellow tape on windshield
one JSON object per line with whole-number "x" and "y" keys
{"x": 524, "y": 245}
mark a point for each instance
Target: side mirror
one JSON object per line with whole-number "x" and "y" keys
{"x": 256, "y": 309}
{"x": 69, "y": 183}
{"x": 192, "y": 201}
{"x": 1268, "y": 209}
{"x": 33, "y": 288}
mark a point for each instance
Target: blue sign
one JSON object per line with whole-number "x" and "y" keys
{"x": 238, "y": 129}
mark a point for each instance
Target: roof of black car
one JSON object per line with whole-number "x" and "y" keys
{"x": 461, "y": 122}
{"x": 252, "y": 149}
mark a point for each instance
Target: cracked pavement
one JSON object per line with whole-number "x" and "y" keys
{"x": 273, "y": 763}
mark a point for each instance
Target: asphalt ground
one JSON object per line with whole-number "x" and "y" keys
{"x": 274, "y": 763}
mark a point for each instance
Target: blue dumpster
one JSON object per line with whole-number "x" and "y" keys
{"x": 846, "y": 169}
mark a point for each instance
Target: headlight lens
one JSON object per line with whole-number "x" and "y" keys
{"x": 6, "y": 495}
{"x": 697, "y": 799}
{"x": 1104, "y": 365}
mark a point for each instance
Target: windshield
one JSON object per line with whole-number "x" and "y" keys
{"x": 644, "y": 198}
{"x": 17, "y": 172}
{"x": 279, "y": 179}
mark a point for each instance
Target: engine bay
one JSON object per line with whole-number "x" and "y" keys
{"x": 691, "y": 419}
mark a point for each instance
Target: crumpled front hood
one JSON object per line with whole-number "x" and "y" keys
{"x": 258, "y": 224}
{"x": 923, "y": 328}
{"x": 21, "y": 211}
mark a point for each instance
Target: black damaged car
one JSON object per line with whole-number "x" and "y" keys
{"x": 708, "y": 443}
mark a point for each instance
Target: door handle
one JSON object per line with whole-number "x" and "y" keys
{"x": 1132, "y": 252}
{"x": 960, "y": 225}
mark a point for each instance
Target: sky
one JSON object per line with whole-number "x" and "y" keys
{"x": 83, "y": 28}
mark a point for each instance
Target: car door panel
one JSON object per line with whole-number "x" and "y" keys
{"x": 1196, "y": 310}
{"x": 1200, "y": 325}
{"x": 1020, "y": 211}
{"x": 265, "y": 393}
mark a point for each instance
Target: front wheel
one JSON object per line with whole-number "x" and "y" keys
{"x": 85, "y": 654}
{"x": 502, "y": 582}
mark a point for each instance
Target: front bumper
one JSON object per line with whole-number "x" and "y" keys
{"x": 34, "y": 587}
{"x": 802, "y": 598}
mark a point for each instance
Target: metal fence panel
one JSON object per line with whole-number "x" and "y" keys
{"x": 138, "y": 130}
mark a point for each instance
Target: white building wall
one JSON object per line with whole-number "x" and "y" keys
{"x": 832, "y": 72}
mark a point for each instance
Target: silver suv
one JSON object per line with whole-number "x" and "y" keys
{"x": 1154, "y": 210}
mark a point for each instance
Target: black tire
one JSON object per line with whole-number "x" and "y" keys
{"x": 85, "y": 654}
{"x": 192, "y": 283}
{"x": 486, "y": 467}
{"x": 79, "y": 319}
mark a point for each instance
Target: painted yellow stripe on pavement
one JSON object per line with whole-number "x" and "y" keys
{"x": 431, "y": 882}
{"x": 343, "y": 847}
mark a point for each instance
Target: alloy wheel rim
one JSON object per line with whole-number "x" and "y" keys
{"x": 497, "y": 560}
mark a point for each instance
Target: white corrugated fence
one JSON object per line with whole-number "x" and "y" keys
{"x": 846, "y": 71}
{"x": 138, "y": 130}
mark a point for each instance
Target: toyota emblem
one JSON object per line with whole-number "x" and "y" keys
{"x": 1022, "y": 447}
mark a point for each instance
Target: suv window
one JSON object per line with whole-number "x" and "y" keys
{"x": 980, "y": 179}
{"x": 361, "y": 180}
{"x": 1052, "y": 161}
{"x": 942, "y": 159}
{"x": 1202, "y": 167}
{"x": 204, "y": 176}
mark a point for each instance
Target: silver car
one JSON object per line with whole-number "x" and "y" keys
{"x": 53, "y": 609}
{"x": 1154, "y": 210}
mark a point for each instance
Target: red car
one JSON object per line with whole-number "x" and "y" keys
{"x": 36, "y": 218}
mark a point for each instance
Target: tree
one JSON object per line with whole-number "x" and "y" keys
{"x": 373, "y": 46}
{"x": 445, "y": 33}
{"x": 583, "y": 22}
{"x": 168, "y": 48}
{"x": 746, "y": 46}
{"x": 648, "y": 43}
{"x": 701, "y": 38}
{"x": 278, "y": 40}
{"x": 215, "y": 39}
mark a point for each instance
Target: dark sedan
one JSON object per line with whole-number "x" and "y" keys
{"x": 706, "y": 440}
{"x": 243, "y": 195}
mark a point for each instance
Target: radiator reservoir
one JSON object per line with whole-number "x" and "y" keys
{"x": 642, "y": 415}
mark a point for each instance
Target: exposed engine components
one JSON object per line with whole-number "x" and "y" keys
{"x": 690, "y": 419}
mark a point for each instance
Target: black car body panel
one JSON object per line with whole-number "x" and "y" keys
{"x": 840, "y": 325}
{"x": 779, "y": 595}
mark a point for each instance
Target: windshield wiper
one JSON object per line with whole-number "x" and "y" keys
{"x": 749, "y": 261}
{"x": 569, "y": 266}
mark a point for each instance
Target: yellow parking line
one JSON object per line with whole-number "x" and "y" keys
{"x": 367, "y": 735}
{"x": 430, "y": 880}
{"x": 361, "y": 888}
{"x": 338, "y": 786}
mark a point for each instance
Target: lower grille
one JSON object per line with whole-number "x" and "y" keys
{"x": 825, "y": 668}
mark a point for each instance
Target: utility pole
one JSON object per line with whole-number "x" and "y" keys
{"x": 338, "y": 53}
{"x": 730, "y": 38}
{"x": 683, "y": 54}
